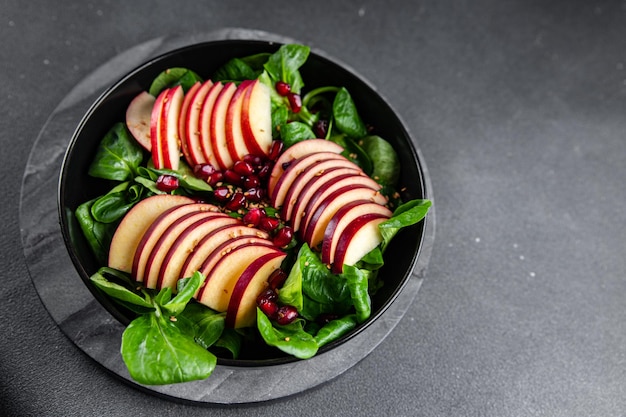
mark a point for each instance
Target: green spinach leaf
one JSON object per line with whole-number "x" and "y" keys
{"x": 335, "y": 329}
{"x": 409, "y": 213}
{"x": 294, "y": 132}
{"x": 284, "y": 65}
{"x": 346, "y": 116}
{"x": 172, "y": 77}
{"x": 118, "y": 155}
{"x": 385, "y": 161}
{"x": 157, "y": 352}
{"x": 291, "y": 339}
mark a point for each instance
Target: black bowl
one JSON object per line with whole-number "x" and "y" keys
{"x": 76, "y": 187}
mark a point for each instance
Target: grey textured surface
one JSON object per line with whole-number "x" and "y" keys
{"x": 520, "y": 112}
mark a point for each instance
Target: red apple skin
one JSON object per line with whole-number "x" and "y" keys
{"x": 134, "y": 225}
{"x": 138, "y": 116}
{"x": 226, "y": 247}
{"x": 352, "y": 236}
{"x": 296, "y": 151}
{"x": 170, "y": 136}
{"x": 320, "y": 195}
{"x": 220, "y": 281}
{"x": 308, "y": 176}
{"x": 184, "y": 245}
{"x": 164, "y": 242}
{"x": 155, "y": 130}
{"x": 182, "y": 123}
{"x": 235, "y": 141}
{"x": 219, "y": 145}
{"x": 294, "y": 170}
{"x": 241, "y": 310}
{"x": 154, "y": 231}
{"x": 256, "y": 118}
{"x": 204, "y": 120}
{"x": 311, "y": 189}
{"x": 313, "y": 231}
{"x": 340, "y": 221}
{"x": 190, "y": 123}
{"x": 216, "y": 241}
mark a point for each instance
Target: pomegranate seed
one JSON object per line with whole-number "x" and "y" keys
{"x": 222, "y": 194}
{"x": 295, "y": 101}
{"x": 286, "y": 314}
{"x": 167, "y": 183}
{"x": 283, "y": 236}
{"x": 251, "y": 181}
{"x": 231, "y": 177}
{"x": 237, "y": 201}
{"x": 320, "y": 128}
{"x": 243, "y": 168}
{"x": 277, "y": 279}
{"x": 265, "y": 170}
{"x": 215, "y": 177}
{"x": 275, "y": 149}
{"x": 253, "y": 160}
{"x": 255, "y": 194}
{"x": 268, "y": 303}
{"x": 253, "y": 217}
{"x": 269, "y": 223}
{"x": 282, "y": 88}
{"x": 204, "y": 171}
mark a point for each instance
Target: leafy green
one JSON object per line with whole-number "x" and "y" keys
{"x": 294, "y": 132}
{"x": 291, "y": 339}
{"x": 172, "y": 77}
{"x": 410, "y": 213}
{"x": 358, "y": 285}
{"x": 118, "y": 155}
{"x": 167, "y": 342}
{"x": 335, "y": 329}
{"x": 284, "y": 65}
{"x": 97, "y": 234}
{"x": 347, "y": 118}
{"x": 385, "y": 161}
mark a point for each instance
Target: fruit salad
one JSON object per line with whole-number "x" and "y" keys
{"x": 243, "y": 211}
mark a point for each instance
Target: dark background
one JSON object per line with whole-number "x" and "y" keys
{"x": 519, "y": 109}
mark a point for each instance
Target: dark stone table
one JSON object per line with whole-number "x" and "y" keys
{"x": 519, "y": 110}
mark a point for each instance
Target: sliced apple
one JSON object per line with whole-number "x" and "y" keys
{"x": 156, "y": 119}
{"x": 241, "y": 310}
{"x": 185, "y": 244}
{"x": 205, "y": 116}
{"x": 219, "y": 283}
{"x": 138, "y": 116}
{"x": 296, "y": 151}
{"x": 219, "y": 144}
{"x": 165, "y": 241}
{"x": 340, "y": 221}
{"x": 294, "y": 170}
{"x": 214, "y": 242}
{"x": 135, "y": 223}
{"x": 152, "y": 234}
{"x": 300, "y": 202}
{"x": 333, "y": 184}
{"x": 359, "y": 238}
{"x": 234, "y": 136}
{"x": 312, "y": 231}
{"x": 226, "y": 247}
{"x": 256, "y": 118}
{"x": 169, "y": 139}
{"x": 309, "y": 176}
{"x": 189, "y": 125}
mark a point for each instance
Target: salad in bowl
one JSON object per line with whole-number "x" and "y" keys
{"x": 251, "y": 210}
